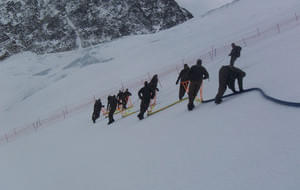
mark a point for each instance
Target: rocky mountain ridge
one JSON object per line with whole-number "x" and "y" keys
{"x": 44, "y": 26}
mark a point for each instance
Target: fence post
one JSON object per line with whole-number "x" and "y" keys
{"x": 177, "y": 69}
{"x": 159, "y": 83}
{"x": 278, "y": 28}
{"x": 122, "y": 86}
{"x": 244, "y": 41}
{"x": 34, "y": 126}
{"x": 40, "y": 123}
{"x": 296, "y": 16}
{"x": 215, "y": 52}
{"x": 66, "y": 110}
{"x": 212, "y": 52}
{"x": 210, "y": 55}
{"x": 6, "y": 137}
{"x": 258, "y": 32}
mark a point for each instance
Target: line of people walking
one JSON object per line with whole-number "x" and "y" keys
{"x": 191, "y": 80}
{"x": 114, "y": 102}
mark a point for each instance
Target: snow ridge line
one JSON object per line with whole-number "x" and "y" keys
{"x": 219, "y": 8}
{"x": 208, "y": 57}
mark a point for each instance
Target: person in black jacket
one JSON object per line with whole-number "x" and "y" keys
{"x": 153, "y": 85}
{"x": 235, "y": 53}
{"x": 184, "y": 80}
{"x": 196, "y": 75}
{"x": 145, "y": 95}
{"x": 120, "y": 97}
{"x": 126, "y": 96}
{"x": 112, "y": 103}
{"x": 227, "y": 77}
{"x": 97, "y": 109}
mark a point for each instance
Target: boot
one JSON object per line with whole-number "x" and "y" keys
{"x": 140, "y": 116}
{"x": 190, "y": 106}
{"x": 218, "y": 100}
{"x": 111, "y": 121}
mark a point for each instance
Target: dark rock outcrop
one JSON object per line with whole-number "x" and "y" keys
{"x": 46, "y": 26}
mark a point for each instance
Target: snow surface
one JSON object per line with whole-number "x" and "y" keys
{"x": 244, "y": 143}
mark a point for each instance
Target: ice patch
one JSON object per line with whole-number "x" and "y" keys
{"x": 42, "y": 73}
{"x": 60, "y": 77}
{"x": 86, "y": 61}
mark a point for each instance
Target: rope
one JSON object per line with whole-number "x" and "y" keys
{"x": 272, "y": 99}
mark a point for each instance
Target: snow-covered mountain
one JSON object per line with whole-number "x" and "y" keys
{"x": 43, "y": 26}
{"x": 245, "y": 143}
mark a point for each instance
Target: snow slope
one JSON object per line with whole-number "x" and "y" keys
{"x": 244, "y": 143}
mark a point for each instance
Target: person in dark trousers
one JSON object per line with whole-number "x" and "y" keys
{"x": 153, "y": 85}
{"x": 120, "y": 97}
{"x": 184, "y": 80}
{"x": 112, "y": 103}
{"x": 145, "y": 95}
{"x": 227, "y": 77}
{"x": 235, "y": 53}
{"x": 196, "y": 75}
{"x": 97, "y": 109}
{"x": 126, "y": 96}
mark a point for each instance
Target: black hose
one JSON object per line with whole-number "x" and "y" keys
{"x": 275, "y": 100}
